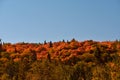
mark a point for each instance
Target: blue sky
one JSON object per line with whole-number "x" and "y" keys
{"x": 55, "y": 20}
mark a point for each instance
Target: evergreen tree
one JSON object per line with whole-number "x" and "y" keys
{"x": 50, "y": 44}
{"x": 45, "y": 42}
{"x": 0, "y": 45}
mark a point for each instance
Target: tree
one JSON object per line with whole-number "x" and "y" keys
{"x": 23, "y": 68}
{"x": 45, "y": 42}
{"x": 81, "y": 72}
{"x": 49, "y": 57}
{"x": 33, "y": 56}
{"x": 97, "y": 54}
{"x": 63, "y": 40}
{"x": 0, "y": 45}
{"x": 50, "y": 44}
{"x": 11, "y": 69}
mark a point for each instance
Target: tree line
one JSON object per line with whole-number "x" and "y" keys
{"x": 63, "y": 60}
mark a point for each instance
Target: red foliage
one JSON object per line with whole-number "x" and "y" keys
{"x": 62, "y": 50}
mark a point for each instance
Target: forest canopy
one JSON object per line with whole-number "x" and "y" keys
{"x": 63, "y": 60}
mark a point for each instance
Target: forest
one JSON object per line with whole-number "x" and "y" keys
{"x": 62, "y": 60}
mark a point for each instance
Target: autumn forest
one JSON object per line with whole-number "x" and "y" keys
{"x": 62, "y": 60}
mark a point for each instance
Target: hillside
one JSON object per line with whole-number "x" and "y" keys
{"x": 63, "y": 60}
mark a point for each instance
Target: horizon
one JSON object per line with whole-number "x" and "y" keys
{"x": 59, "y": 41}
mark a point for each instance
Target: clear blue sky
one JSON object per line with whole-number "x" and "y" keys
{"x": 55, "y": 20}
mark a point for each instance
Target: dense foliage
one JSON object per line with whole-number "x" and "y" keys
{"x": 71, "y": 60}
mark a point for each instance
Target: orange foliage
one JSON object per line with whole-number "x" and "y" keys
{"x": 63, "y": 50}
